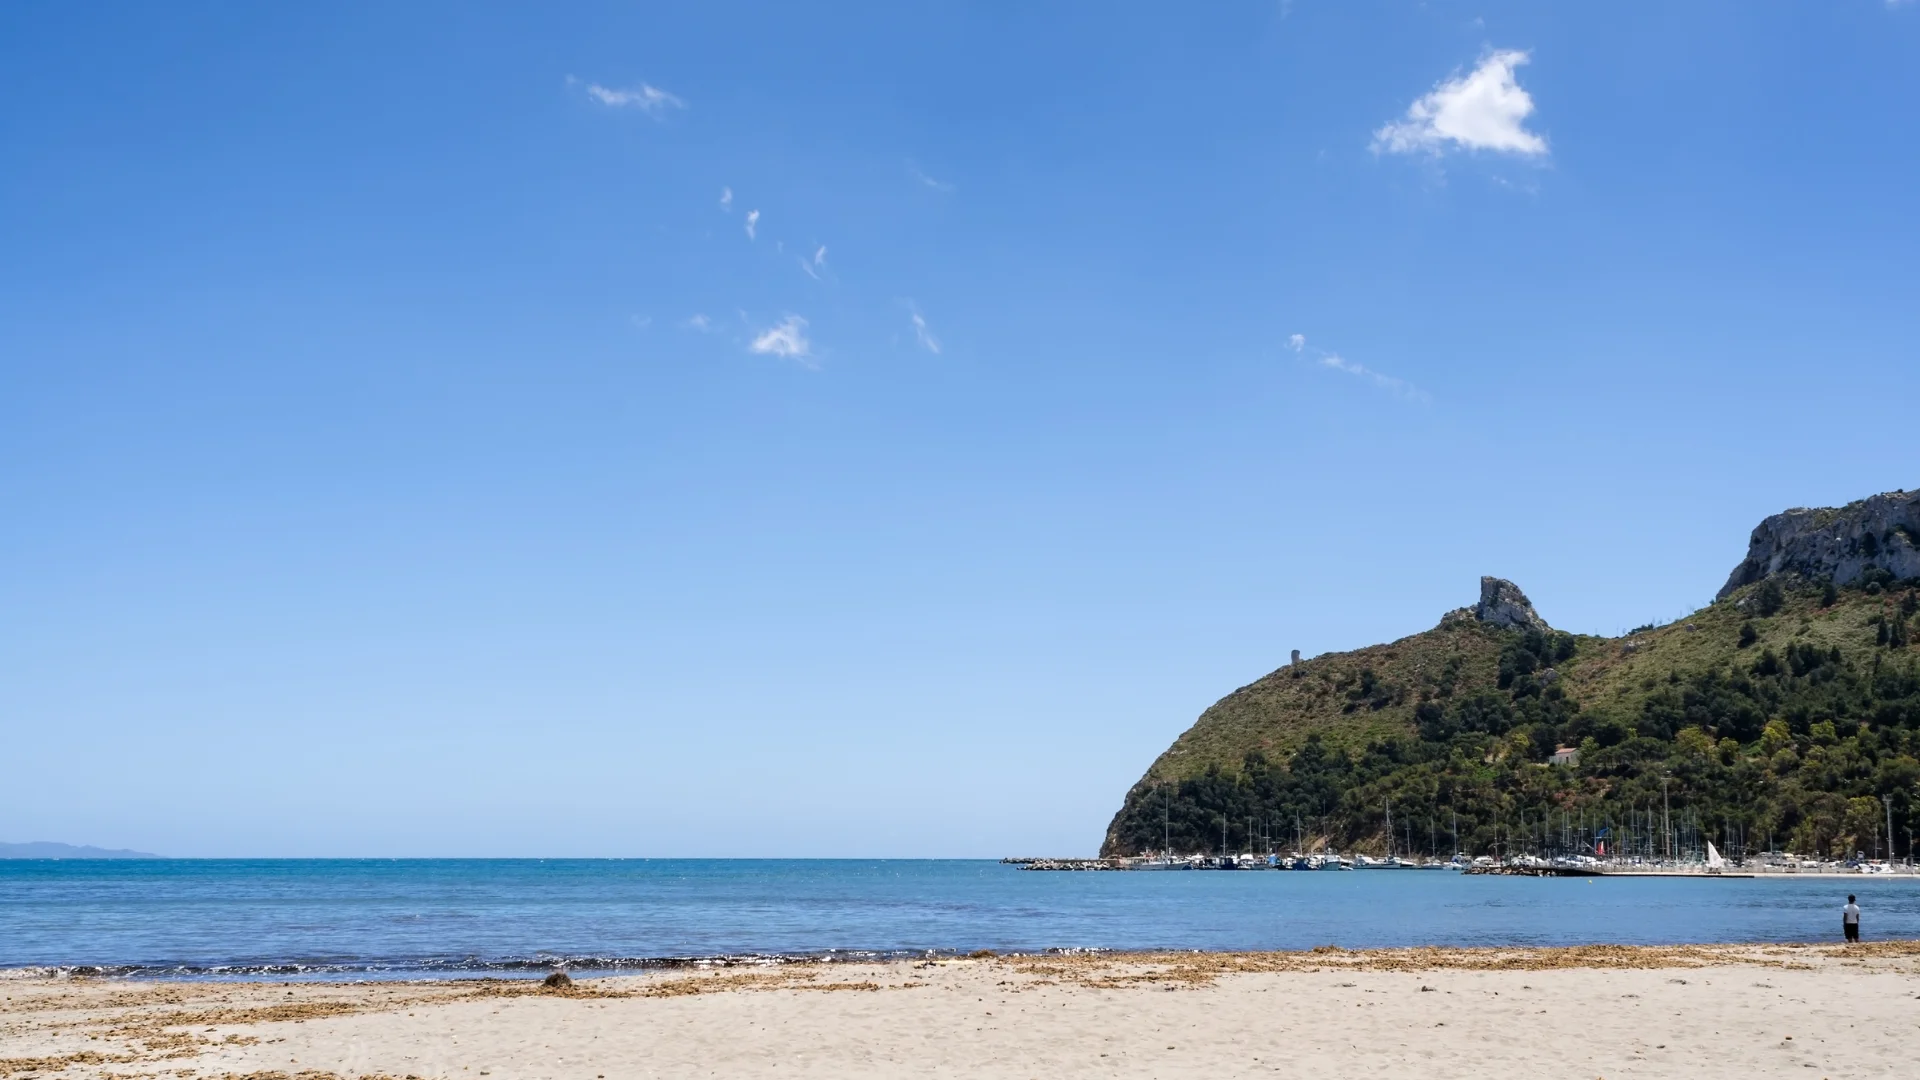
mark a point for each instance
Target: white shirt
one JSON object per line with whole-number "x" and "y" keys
{"x": 1850, "y": 913}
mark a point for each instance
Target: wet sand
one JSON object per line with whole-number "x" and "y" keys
{"x": 1715, "y": 1011}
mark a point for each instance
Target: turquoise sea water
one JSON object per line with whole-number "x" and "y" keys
{"x": 359, "y": 918}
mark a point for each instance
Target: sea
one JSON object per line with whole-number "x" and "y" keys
{"x": 444, "y": 918}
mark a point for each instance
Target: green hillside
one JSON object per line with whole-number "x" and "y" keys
{"x": 1781, "y": 714}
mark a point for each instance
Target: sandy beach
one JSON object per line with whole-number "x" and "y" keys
{"x": 1802, "y": 1011}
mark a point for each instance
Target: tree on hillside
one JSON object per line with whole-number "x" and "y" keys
{"x": 1770, "y": 598}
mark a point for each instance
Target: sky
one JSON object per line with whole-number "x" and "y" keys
{"x": 877, "y": 429}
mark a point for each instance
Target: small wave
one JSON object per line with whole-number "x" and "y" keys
{"x": 30, "y": 973}
{"x": 477, "y": 967}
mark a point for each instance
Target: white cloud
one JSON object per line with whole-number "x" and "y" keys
{"x": 648, "y": 99}
{"x": 816, "y": 264}
{"x": 1484, "y": 109}
{"x": 928, "y": 181}
{"x": 1296, "y": 342}
{"x": 698, "y": 322}
{"x": 786, "y": 339}
{"x": 927, "y": 340}
{"x": 726, "y": 199}
{"x": 753, "y": 222}
{"x": 1397, "y": 387}
{"x": 641, "y": 322}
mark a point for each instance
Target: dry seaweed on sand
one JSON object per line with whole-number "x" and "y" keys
{"x": 1115, "y": 971}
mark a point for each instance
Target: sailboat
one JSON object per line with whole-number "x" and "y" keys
{"x": 1166, "y": 860}
{"x": 1714, "y": 862}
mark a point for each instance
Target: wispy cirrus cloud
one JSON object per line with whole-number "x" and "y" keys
{"x": 1485, "y": 109}
{"x": 928, "y": 182}
{"x": 698, "y": 322}
{"x": 786, "y": 339}
{"x": 646, "y": 97}
{"x": 1398, "y": 387}
{"x": 815, "y": 265}
{"x": 726, "y": 200}
{"x": 753, "y": 223}
{"x": 923, "y": 334}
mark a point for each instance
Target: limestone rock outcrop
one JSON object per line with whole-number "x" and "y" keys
{"x": 1841, "y": 544}
{"x": 1502, "y": 604}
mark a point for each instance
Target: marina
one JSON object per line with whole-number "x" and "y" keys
{"x": 1654, "y": 841}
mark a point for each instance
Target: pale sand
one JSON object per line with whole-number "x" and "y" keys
{"x": 1800, "y": 1011}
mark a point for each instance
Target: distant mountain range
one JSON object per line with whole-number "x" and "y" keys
{"x": 41, "y": 849}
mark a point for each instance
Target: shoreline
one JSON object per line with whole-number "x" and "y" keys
{"x": 1369, "y": 957}
{"x": 531, "y": 971}
{"x": 515, "y": 972}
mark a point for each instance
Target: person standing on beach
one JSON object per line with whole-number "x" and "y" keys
{"x": 1850, "y": 919}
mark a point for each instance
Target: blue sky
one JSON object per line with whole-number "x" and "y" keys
{"x": 878, "y": 430}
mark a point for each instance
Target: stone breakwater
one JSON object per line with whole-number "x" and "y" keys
{"x": 1029, "y": 863}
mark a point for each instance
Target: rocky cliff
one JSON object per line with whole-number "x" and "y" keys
{"x": 1843, "y": 545}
